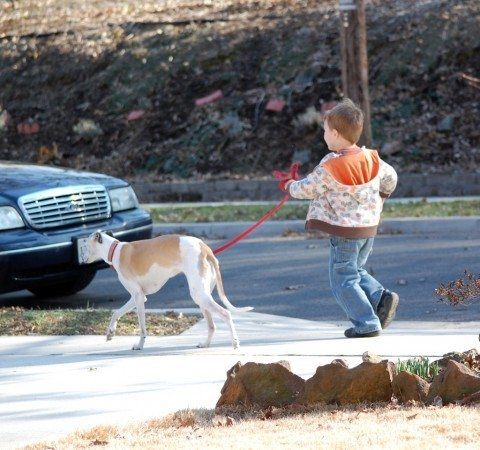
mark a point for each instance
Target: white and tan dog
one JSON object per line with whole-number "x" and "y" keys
{"x": 143, "y": 267}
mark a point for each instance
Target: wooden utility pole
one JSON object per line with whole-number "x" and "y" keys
{"x": 353, "y": 41}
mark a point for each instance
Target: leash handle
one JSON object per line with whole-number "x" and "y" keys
{"x": 253, "y": 227}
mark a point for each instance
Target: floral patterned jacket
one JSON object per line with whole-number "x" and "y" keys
{"x": 347, "y": 193}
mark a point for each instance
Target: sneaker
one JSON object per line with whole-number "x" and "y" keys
{"x": 351, "y": 333}
{"x": 387, "y": 308}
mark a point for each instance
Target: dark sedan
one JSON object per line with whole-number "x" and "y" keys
{"x": 45, "y": 212}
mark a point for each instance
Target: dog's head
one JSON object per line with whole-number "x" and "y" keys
{"x": 93, "y": 248}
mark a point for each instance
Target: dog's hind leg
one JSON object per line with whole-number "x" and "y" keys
{"x": 200, "y": 291}
{"x": 112, "y": 327}
{"x": 210, "y": 328}
{"x": 226, "y": 316}
{"x": 207, "y": 303}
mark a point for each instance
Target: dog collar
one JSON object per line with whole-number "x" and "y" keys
{"x": 111, "y": 251}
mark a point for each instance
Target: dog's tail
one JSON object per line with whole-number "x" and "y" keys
{"x": 216, "y": 267}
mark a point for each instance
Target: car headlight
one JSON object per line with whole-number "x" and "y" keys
{"x": 9, "y": 218}
{"x": 123, "y": 198}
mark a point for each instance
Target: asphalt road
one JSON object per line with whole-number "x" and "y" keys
{"x": 289, "y": 277}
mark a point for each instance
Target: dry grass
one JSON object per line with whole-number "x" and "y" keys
{"x": 17, "y": 321}
{"x": 327, "y": 427}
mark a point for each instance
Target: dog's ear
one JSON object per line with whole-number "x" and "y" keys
{"x": 98, "y": 237}
{"x": 109, "y": 233}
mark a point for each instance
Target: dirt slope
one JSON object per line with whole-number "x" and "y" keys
{"x": 71, "y": 75}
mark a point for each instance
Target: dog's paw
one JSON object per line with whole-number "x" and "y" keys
{"x": 236, "y": 344}
{"x": 137, "y": 347}
{"x": 203, "y": 345}
{"x": 110, "y": 334}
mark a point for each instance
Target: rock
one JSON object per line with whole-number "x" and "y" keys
{"x": 446, "y": 124}
{"x": 87, "y": 129}
{"x": 309, "y": 119}
{"x": 410, "y": 387}
{"x": 341, "y": 362}
{"x": 437, "y": 401}
{"x": 262, "y": 385}
{"x": 371, "y": 357}
{"x": 335, "y": 383}
{"x": 454, "y": 383}
{"x": 473, "y": 399}
{"x": 471, "y": 358}
{"x": 5, "y": 119}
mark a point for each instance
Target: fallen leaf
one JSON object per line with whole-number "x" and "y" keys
{"x": 230, "y": 421}
{"x": 47, "y": 154}
{"x": 294, "y": 287}
{"x": 98, "y": 442}
{"x": 325, "y": 106}
{"x": 28, "y": 128}
{"x": 275, "y": 105}
{"x": 213, "y": 97}
{"x": 135, "y": 115}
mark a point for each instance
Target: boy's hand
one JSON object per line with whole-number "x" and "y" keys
{"x": 286, "y": 177}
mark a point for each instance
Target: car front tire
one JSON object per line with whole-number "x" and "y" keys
{"x": 67, "y": 287}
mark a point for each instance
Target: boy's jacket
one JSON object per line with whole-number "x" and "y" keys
{"x": 346, "y": 193}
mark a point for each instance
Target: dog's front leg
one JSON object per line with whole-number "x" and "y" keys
{"x": 140, "y": 300}
{"x": 112, "y": 327}
{"x": 210, "y": 326}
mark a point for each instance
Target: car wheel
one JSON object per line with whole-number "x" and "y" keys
{"x": 66, "y": 287}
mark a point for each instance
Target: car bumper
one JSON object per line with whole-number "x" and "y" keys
{"x": 29, "y": 257}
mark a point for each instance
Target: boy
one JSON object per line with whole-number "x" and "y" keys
{"x": 347, "y": 190}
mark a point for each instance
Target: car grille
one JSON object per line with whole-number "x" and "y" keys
{"x": 65, "y": 206}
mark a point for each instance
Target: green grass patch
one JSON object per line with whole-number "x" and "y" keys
{"x": 432, "y": 209}
{"x": 69, "y": 322}
{"x": 298, "y": 210}
{"x": 225, "y": 213}
{"x": 419, "y": 366}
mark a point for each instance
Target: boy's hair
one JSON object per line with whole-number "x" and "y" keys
{"x": 347, "y": 119}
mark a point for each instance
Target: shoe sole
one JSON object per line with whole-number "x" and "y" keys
{"x": 363, "y": 335}
{"x": 389, "y": 310}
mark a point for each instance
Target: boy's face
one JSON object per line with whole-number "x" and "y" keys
{"x": 330, "y": 136}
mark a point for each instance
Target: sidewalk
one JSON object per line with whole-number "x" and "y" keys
{"x": 53, "y": 385}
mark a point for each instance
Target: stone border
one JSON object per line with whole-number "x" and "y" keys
{"x": 409, "y": 185}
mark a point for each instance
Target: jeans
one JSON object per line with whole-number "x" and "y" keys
{"x": 354, "y": 289}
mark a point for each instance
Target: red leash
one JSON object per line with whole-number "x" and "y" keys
{"x": 253, "y": 227}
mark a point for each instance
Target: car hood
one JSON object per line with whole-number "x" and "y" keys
{"x": 18, "y": 179}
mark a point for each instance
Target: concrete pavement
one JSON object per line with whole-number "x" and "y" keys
{"x": 54, "y": 385}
